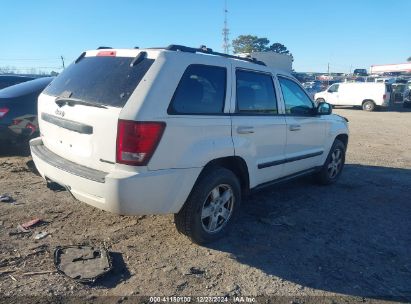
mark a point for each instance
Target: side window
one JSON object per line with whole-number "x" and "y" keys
{"x": 255, "y": 93}
{"x": 333, "y": 88}
{"x": 296, "y": 100}
{"x": 201, "y": 91}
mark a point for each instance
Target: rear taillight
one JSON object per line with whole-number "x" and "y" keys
{"x": 137, "y": 141}
{"x": 3, "y": 112}
{"x": 31, "y": 127}
{"x": 384, "y": 96}
{"x": 15, "y": 122}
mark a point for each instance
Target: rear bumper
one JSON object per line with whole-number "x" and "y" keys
{"x": 121, "y": 192}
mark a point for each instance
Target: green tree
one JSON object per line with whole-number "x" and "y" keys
{"x": 249, "y": 43}
{"x": 279, "y": 48}
{"x": 409, "y": 59}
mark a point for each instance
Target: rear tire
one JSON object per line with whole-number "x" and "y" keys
{"x": 334, "y": 164}
{"x": 211, "y": 207}
{"x": 368, "y": 105}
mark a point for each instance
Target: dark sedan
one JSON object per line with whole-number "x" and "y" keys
{"x": 18, "y": 110}
{"x": 9, "y": 80}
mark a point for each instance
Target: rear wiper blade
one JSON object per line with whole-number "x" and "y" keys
{"x": 61, "y": 101}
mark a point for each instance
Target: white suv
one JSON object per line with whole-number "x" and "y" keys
{"x": 181, "y": 130}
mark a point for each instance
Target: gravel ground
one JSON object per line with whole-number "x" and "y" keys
{"x": 349, "y": 241}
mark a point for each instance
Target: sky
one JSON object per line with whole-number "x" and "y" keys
{"x": 345, "y": 34}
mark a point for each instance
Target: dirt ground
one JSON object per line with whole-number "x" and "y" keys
{"x": 349, "y": 241}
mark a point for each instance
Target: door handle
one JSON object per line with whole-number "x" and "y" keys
{"x": 245, "y": 130}
{"x": 295, "y": 127}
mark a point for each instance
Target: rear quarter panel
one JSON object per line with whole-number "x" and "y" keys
{"x": 189, "y": 140}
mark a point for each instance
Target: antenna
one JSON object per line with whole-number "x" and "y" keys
{"x": 226, "y": 31}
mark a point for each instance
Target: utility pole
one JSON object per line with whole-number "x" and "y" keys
{"x": 226, "y": 31}
{"x": 328, "y": 72}
{"x": 62, "y": 61}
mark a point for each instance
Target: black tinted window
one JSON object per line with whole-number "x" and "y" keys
{"x": 201, "y": 91}
{"x": 255, "y": 93}
{"x": 103, "y": 79}
{"x": 296, "y": 100}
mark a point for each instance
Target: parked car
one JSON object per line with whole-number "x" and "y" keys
{"x": 9, "y": 80}
{"x": 181, "y": 130}
{"x": 368, "y": 95}
{"x": 360, "y": 72}
{"x": 312, "y": 88}
{"x": 18, "y": 110}
{"x": 386, "y": 80}
{"x": 395, "y": 74}
{"x": 407, "y": 98}
{"x": 399, "y": 91}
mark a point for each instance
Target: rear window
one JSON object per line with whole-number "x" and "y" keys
{"x": 8, "y": 80}
{"x": 102, "y": 80}
{"x": 25, "y": 88}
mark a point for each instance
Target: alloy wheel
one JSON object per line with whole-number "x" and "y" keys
{"x": 217, "y": 208}
{"x": 334, "y": 167}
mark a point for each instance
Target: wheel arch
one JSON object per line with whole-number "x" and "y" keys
{"x": 235, "y": 164}
{"x": 365, "y": 100}
{"x": 344, "y": 138}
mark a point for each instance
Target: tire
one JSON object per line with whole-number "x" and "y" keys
{"x": 334, "y": 164}
{"x": 207, "y": 214}
{"x": 368, "y": 105}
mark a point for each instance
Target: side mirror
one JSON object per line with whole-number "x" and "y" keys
{"x": 324, "y": 108}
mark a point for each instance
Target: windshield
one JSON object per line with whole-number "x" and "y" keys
{"x": 101, "y": 80}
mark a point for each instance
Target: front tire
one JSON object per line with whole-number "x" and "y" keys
{"x": 334, "y": 164}
{"x": 211, "y": 207}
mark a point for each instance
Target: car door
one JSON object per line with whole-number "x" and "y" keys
{"x": 333, "y": 94}
{"x": 305, "y": 129}
{"x": 258, "y": 130}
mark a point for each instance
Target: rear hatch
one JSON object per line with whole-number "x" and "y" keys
{"x": 79, "y": 111}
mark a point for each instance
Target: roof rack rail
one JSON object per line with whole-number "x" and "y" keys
{"x": 104, "y": 47}
{"x": 203, "y": 49}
